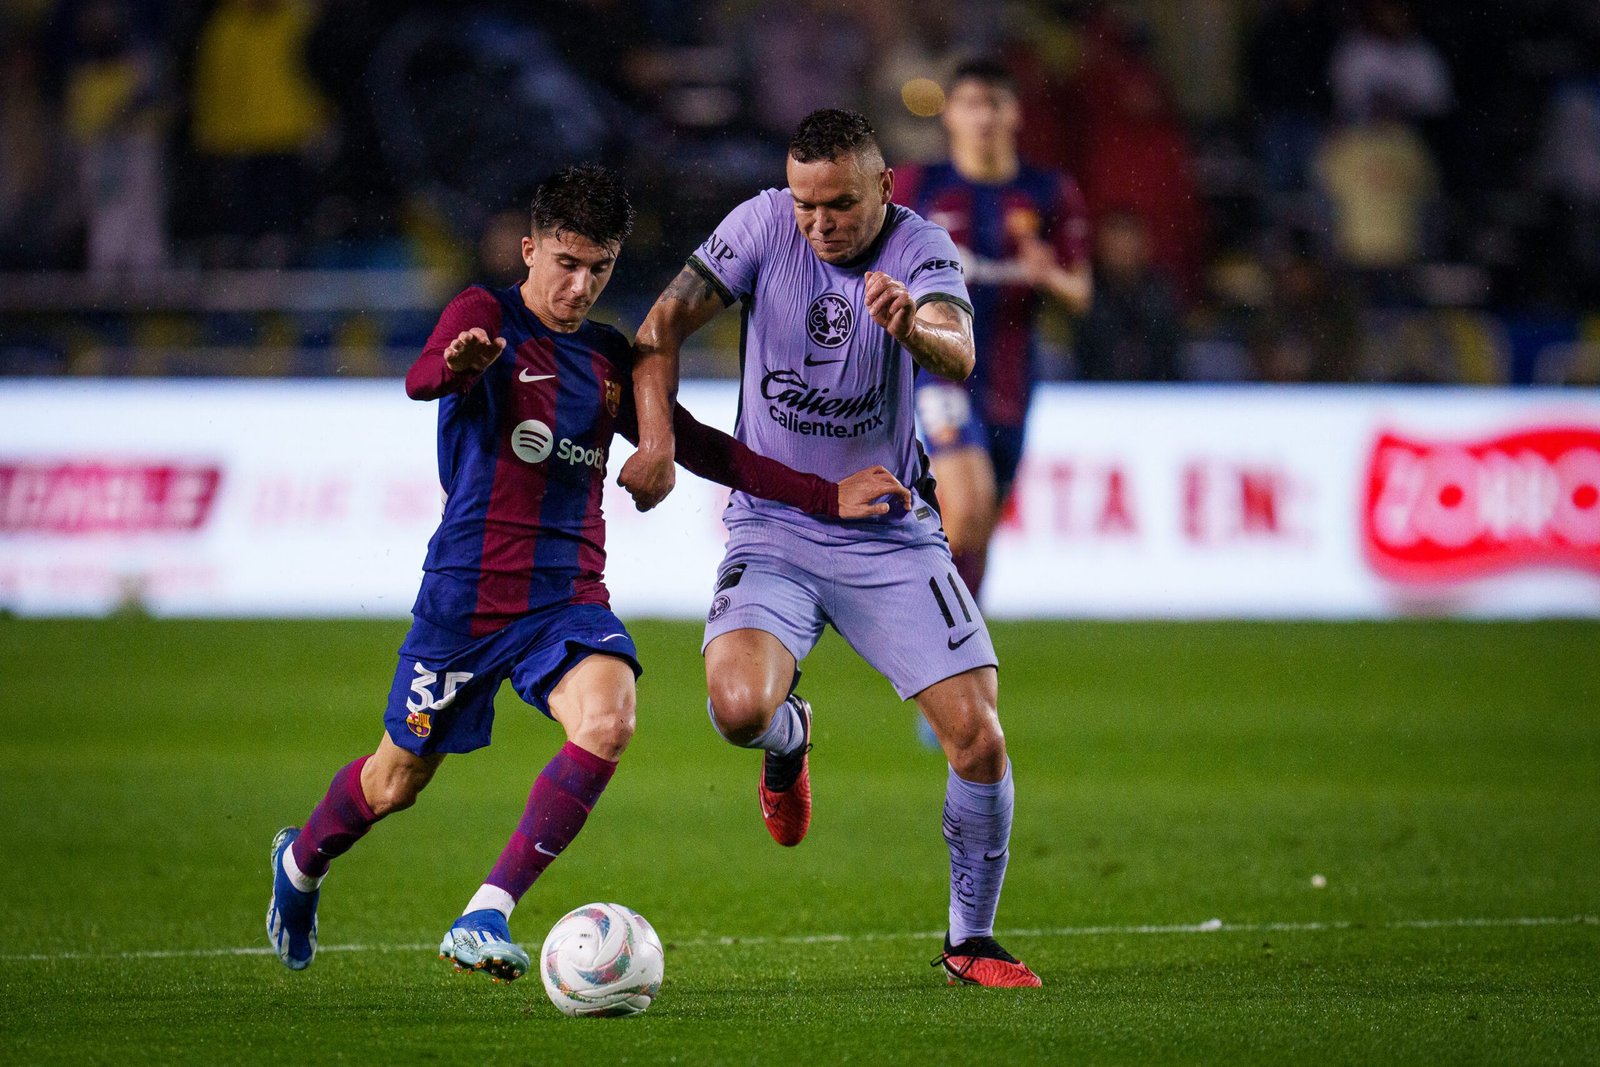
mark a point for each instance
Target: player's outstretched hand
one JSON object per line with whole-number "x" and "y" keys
{"x": 890, "y": 305}
{"x": 472, "y": 351}
{"x": 858, "y": 492}
{"x": 1037, "y": 258}
{"x": 648, "y": 475}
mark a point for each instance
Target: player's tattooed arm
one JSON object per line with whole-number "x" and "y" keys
{"x": 938, "y": 334}
{"x": 687, "y": 304}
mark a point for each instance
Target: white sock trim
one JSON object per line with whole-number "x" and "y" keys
{"x": 298, "y": 878}
{"x": 491, "y": 897}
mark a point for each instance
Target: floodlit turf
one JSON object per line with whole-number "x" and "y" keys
{"x": 1167, "y": 775}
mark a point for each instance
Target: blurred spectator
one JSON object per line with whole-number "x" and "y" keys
{"x": 1134, "y": 152}
{"x": 1570, "y": 168}
{"x": 1310, "y": 330}
{"x": 1133, "y": 331}
{"x": 1380, "y": 180}
{"x": 1286, "y": 72}
{"x": 359, "y": 194}
{"x": 804, "y": 55}
{"x": 256, "y": 115}
{"x": 33, "y": 216}
{"x": 117, "y": 122}
{"x": 1199, "y": 45}
{"x": 499, "y": 260}
{"x": 914, "y": 51}
{"x": 1386, "y": 59}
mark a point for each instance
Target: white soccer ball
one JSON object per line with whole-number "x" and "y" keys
{"x": 602, "y": 959}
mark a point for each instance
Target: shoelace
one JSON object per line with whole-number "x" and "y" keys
{"x": 789, "y": 766}
{"x": 973, "y": 950}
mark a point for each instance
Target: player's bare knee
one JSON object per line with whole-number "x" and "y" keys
{"x": 978, "y": 754}
{"x": 742, "y": 712}
{"x": 397, "y": 791}
{"x": 606, "y": 731}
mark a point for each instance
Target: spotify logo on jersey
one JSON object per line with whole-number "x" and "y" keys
{"x": 531, "y": 441}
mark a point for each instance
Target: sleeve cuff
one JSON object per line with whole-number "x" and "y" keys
{"x": 715, "y": 282}
{"x": 948, "y": 298}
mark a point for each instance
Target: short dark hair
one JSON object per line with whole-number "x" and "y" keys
{"x": 985, "y": 69}
{"x": 585, "y": 199}
{"x": 833, "y": 132}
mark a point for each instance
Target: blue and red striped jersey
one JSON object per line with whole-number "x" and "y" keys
{"x": 522, "y": 459}
{"x": 522, "y": 455}
{"x": 987, "y": 222}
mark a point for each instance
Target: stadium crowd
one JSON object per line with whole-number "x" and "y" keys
{"x": 1282, "y": 190}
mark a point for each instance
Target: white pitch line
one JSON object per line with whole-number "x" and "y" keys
{"x": 1212, "y": 926}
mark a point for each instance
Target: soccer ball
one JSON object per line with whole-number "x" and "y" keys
{"x": 602, "y": 959}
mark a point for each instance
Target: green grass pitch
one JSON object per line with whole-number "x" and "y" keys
{"x": 1444, "y": 778}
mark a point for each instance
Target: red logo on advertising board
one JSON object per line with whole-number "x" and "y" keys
{"x": 1449, "y": 510}
{"x": 74, "y": 498}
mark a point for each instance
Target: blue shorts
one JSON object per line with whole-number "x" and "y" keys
{"x": 949, "y": 421}
{"x": 444, "y": 687}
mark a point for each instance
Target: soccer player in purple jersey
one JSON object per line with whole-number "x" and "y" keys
{"x": 1023, "y": 236}
{"x": 845, "y": 296}
{"x": 530, "y": 394}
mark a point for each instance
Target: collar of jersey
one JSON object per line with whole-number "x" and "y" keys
{"x": 512, "y": 295}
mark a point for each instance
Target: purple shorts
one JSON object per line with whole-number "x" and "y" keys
{"x": 901, "y": 606}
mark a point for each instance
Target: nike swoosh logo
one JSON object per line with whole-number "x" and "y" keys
{"x": 821, "y": 362}
{"x": 526, "y": 377}
{"x": 538, "y": 846}
{"x": 990, "y": 857}
{"x": 954, "y": 644}
{"x": 612, "y": 637}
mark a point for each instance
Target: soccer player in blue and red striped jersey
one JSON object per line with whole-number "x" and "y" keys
{"x": 531, "y": 394}
{"x": 1022, "y": 233}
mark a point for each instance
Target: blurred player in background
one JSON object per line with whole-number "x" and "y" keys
{"x": 845, "y": 296}
{"x": 530, "y": 395}
{"x": 1023, "y": 236}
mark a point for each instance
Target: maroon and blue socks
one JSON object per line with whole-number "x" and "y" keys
{"x": 336, "y": 824}
{"x": 562, "y": 797}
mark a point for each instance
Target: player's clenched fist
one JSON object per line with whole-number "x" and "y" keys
{"x": 472, "y": 351}
{"x": 890, "y": 305}
{"x": 858, "y": 492}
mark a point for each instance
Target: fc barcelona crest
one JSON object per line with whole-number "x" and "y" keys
{"x": 613, "y": 397}
{"x": 1022, "y": 223}
{"x": 420, "y": 723}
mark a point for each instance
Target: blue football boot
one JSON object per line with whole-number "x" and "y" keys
{"x": 481, "y": 941}
{"x": 292, "y": 915}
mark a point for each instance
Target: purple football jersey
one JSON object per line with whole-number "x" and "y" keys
{"x": 823, "y": 388}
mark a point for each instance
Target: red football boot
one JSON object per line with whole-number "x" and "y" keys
{"x": 785, "y": 788}
{"x": 981, "y": 961}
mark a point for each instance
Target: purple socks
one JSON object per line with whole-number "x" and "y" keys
{"x": 977, "y": 827}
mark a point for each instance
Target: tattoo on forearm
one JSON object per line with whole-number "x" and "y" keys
{"x": 691, "y": 287}
{"x": 943, "y": 341}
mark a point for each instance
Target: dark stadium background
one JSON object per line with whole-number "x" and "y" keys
{"x": 1277, "y": 803}
{"x": 350, "y": 163}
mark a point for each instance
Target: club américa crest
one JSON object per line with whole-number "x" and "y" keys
{"x": 830, "y": 320}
